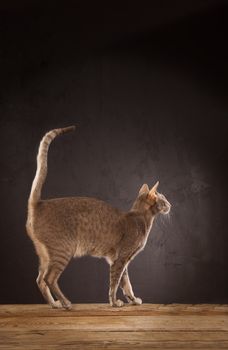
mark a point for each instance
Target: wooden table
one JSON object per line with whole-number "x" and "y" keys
{"x": 98, "y": 326}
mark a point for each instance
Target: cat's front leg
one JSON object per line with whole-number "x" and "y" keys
{"x": 126, "y": 287}
{"x": 116, "y": 271}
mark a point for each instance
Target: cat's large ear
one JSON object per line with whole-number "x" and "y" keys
{"x": 154, "y": 188}
{"x": 144, "y": 189}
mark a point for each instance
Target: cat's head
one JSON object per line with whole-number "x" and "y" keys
{"x": 153, "y": 200}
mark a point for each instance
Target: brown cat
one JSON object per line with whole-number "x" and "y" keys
{"x": 63, "y": 228}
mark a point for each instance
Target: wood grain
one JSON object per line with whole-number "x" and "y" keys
{"x": 105, "y": 310}
{"x": 98, "y": 326}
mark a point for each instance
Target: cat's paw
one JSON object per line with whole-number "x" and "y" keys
{"x": 118, "y": 303}
{"x": 137, "y": 301}
{"x": 67, "y": 305}
{"x": 57, "y": 305}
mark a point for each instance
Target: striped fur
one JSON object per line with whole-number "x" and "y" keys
{"x": 47, "y": 255}
{"x": 63, "y": 228}
{"x": 41, "y": 171}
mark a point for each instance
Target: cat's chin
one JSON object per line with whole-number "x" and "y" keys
{"x": 165, "y": 211}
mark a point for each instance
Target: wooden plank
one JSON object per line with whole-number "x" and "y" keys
{"x": 121, "y": 323}
{"x": 98, "y": 326}
{"x": 41, "y": 310}
{"x": 66, "y": 339}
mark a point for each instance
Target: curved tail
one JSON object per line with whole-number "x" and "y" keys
{"x": 41, "y": 171}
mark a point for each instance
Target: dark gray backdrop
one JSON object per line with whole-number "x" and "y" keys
{"x": 147, "y": 87}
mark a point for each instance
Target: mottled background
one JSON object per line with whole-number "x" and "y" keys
{"x": 147, "y": 86}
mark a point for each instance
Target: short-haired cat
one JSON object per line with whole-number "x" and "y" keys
{"x": 63, "y": 228}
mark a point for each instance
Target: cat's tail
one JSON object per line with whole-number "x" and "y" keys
{"x": 41, "y": 172}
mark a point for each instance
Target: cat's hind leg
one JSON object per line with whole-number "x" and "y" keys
{"x": 56, "y": 266}
{"x": 46, "y": 291}
{"x": 44, "y": 261}
{"x": 126, "y": 287}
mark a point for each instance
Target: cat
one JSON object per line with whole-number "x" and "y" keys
{"x": 63, "y": 228}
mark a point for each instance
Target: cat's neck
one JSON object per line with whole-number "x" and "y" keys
{"x": 149, "y": 219}
{"x": 146, "y": 212}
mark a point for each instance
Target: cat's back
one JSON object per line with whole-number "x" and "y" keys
{"x": 74, "y": 211}
{"x": 79, "y": 205}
